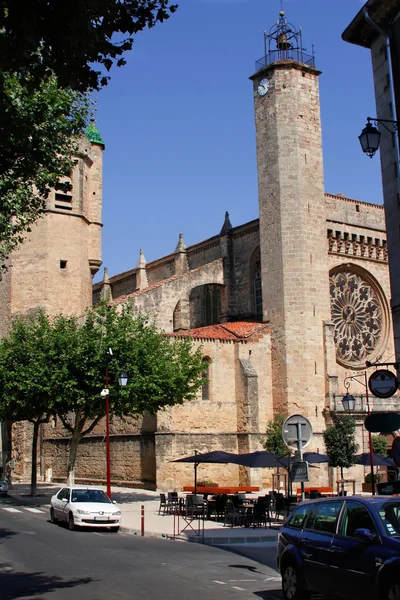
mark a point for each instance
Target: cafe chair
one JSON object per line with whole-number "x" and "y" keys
{"x": 195, "y": 506}
{"x": 233, "y": 515}
{"x": 173, "y": 499}
{"x": 258, "y": 516}
{"x": 163, "y": 505}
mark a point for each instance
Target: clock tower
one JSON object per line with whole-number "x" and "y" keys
{"x": 293, "y": 250}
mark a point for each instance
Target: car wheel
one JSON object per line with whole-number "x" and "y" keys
{"x": 71, "y": 523}
{"x": 392, "y": 590}
{"x": 115, "y": 529}
{"x": 292, "y": 585}
{"x": 52, "y": 516}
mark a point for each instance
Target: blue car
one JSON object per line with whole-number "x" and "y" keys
{"x": 344, "y": 547}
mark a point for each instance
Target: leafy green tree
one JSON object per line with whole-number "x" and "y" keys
{"x": 72, "y": 39}
{"x": 29, "y": 375}
{"x": 50, "y": 56}
{"x": 340, "y": 442}
{"x": 39, "y": 129}
{"x": 273, "y": 442}
{"x": 379, "y": 444}
{"x": 163, "y": 371}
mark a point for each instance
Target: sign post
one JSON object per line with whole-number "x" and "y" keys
{"x": 297, "y": 434}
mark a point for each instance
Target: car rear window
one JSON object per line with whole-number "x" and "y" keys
{"x": 324, "y": 516}
{"x": 299, "y": 516}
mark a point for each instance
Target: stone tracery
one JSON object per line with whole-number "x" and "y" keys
{"x": 358, "y": 317}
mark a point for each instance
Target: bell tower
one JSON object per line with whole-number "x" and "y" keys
{"x": 54, "y": 266}
{"x": 293, "y": 250}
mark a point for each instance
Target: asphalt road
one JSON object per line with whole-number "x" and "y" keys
{"x": 41, "y": 561}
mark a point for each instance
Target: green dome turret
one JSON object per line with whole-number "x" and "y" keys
{"x": 93, "y": 134}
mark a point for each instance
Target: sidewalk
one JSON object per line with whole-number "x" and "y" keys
{"x": 131, "y": 501}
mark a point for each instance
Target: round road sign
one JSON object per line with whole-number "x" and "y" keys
{"x": 291, "y": 429}
{"x": 383, "y": 383}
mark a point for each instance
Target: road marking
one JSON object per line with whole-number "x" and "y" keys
{"x": 34, "y": 510}
{"x": 273, "y": 579}
{"x": 235, "y": 587}
{"x": 220, "y": 582}
{"x": 12, "y": 510}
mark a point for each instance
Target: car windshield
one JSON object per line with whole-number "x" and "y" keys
{"x": 389, "y": 513}
{"x": 89, "y": 496}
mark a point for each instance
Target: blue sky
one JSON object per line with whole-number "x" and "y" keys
{"x": 178, "y": 122}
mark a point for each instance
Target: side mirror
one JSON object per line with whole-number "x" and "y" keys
{"x": 364, "y": 534}
{"x": 114, "y": 502}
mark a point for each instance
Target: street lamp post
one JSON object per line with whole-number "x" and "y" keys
{"x": 122, "y": 381}
{"x": 349, "y": 403}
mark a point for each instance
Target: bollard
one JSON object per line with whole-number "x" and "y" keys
{"x": 142, "y": 520}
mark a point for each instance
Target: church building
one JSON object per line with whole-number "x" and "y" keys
{"x": 284, "y": 307}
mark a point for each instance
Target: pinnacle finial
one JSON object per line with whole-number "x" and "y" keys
{"x": 181, "y": 246}
{"x": 105, "y": 276}
{"x": 142, "y": 261}
{"x": 227, "y": 226}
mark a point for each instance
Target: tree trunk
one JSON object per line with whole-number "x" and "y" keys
{"x": 342, "y": 477}
{"x": 36, "y": 426}
{"x": 73, "y": 451}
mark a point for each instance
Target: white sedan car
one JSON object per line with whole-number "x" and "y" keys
{"x": 84, "y": 507}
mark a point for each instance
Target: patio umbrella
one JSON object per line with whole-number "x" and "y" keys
{"x": 315, "y": 457}
{"x": 261, "y": 458}
{"x": 310, "y": 457}
{"x": 379, "y": 461}
{"x": 216, "y": 456}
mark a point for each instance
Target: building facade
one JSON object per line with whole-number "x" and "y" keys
{"x": 283, "y": 307}
{"x": 377, "y": 27}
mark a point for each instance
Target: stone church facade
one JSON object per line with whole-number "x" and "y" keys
{"x": 283, "y": 307}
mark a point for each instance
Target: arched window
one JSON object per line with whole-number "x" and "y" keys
{"x": 212, "y": 304}
{"x": 255, "y": 282}
{"x": 205, "y": 390}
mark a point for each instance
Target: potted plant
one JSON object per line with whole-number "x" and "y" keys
{"x": 206, "y": 483}
{"x": 367, "y": 485}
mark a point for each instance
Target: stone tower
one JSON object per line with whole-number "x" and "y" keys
{"x": 295, "y": 284}
{"x": 53, "y": 268}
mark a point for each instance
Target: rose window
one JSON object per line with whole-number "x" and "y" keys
{"x": 358, "y": 317}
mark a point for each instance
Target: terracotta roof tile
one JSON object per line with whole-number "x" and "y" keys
{"x": 238, "y": 330}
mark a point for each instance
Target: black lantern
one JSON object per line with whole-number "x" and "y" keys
{"x": 349, "y": 402}
{"x": 123, "y": 379}
{"x": 369, "y": 139}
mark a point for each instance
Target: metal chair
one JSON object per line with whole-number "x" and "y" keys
{"x": 233, "y": 515}
{"x": 173, "y": 500}
{"x": 163, "y": 504}
{"x": 195, "y": 506}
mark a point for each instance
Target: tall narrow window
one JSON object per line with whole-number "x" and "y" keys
{"x": 255, "y": 278}
{"x": 205, "y": 390}
{"x": 212, "y": 303}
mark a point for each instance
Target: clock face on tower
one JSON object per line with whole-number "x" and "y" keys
{"x": 263, "y": 87}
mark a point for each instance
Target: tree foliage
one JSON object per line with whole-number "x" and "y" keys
{"x": 39, "y": 129}
{"x": 65, "y": 375}
{"x": 30, "y": 378}
{"x": 52, "y": 53}
{"x": 341, "y": 446}
{"x": 379, "y": 444}
{"x": 71, "y": 38}
{"x": 273, "y": 442}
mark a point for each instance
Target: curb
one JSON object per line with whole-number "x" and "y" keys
{"x": 208, "y": 541}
